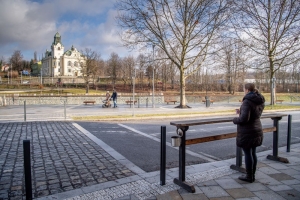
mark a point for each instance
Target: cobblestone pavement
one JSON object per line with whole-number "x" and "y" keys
{"x": 63, "y": 159}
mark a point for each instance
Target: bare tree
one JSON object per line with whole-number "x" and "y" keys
{"x": 271, "y": 30}
{"x": 232, "y": 58}
{"x": 89, "y": 65}
{"x": 127, "y": 66}
{"x": 113, "y": 66}
{"x": 142, "y": 67}
{"x": 16, "y": 60}
{"x": 183, "y": 30}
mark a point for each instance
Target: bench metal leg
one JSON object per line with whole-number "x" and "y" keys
{"x": 181, "y": 180}
{"x": 275, "y": 156}
{"x": 239, "y": 161}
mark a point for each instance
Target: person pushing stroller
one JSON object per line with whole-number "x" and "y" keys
{"x": 114, "y": 97}
{"x": 107, "y": 100}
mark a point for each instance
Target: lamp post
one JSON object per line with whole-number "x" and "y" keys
{"x": 298, "y": 81}
{"x": 273, "y": 90}
{"x": 133, "y": 95}
{"x": 41, "y": 76}
{"x": 10, "y": 74}
{"x": 153, "y": 104}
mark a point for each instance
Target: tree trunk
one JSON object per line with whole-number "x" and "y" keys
{"x": 182, "y": 90}
{"x": 87, "y": 88}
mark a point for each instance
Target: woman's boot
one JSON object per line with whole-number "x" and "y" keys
{"x": 249, "y": 177}
{"x": 254, "y": 170}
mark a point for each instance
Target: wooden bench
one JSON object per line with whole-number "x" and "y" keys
{"x": 211, "y": 101}
{"x": 130, "y": 102}
{"x": 170, "y": 100}
{"x": 86, "y": 102}
{"x": 279, "y": 101}
{"x": 183, "y": 127}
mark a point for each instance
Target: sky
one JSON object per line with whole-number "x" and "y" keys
{"x": 30, "y": 26}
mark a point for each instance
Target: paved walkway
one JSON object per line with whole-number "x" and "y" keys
{"x": 70, "y": 163}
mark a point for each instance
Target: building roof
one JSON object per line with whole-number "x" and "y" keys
{"x": 57, "y": 39}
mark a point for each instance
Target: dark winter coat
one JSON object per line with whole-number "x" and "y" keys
{"x": 114, "y": 96}
{"x": 249, "y": 128}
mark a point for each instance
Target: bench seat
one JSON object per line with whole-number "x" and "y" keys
{"x": 87, "y": 102}
{"x": 130, "y": 102}
{"x": 211, "y": 101}
{"x": 279, "y": 101}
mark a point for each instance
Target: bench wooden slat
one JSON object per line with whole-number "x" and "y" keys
{"x": 130, "y": 102}
{"x": 86, "y": 102}
{"x": 220, "y": 137}
{"x": 279, "y": 101}
{"x": 217, "y": 120}
{"x": 211, "y": 101}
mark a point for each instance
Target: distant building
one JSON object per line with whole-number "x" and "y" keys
{"x": 59, "y": 63}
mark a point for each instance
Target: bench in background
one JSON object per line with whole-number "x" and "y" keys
{"x": 130, "y": 102}
{"x": 279, "y": 101}
{"x": 170, "y": 100}
{"x": 87, "y": 102}
{"x": 211, "y": 101}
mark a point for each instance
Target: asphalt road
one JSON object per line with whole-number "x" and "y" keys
{"x": 139, "y": 141}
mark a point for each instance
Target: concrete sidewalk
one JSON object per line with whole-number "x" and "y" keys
{"x": 212, "y": 181}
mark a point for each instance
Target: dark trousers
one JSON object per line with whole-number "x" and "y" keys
{"x": 250, "y": 158}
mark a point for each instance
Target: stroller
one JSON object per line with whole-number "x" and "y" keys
{"x": 106, "y": 104}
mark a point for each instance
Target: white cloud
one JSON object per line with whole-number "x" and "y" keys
{"x": 30, "y": 26}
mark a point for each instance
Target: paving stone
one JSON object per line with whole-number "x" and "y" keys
{"x": 222, "y": 198}
{"x": 268, "y": 194}
{"x": 269, "y": 181}
{"x": 214, "y": 191}
{"x": 296, "y": 187}
{"x": 253, "y": 187}
{"x": 290, "y": 194}
{"x": 269, "y": 170}
{"x": 240, "y": 193}
{"x": 281, "y": 176}
{"x": 291, "y": 182}
{"x": 207, "y": 183}
{"x": 279, "y": 187}
{"x": 228, "y": 183}
{"x": 191, "y": 196}
{"x": 279, "y": 166}
{"x": 290, "y": 172}
{"x": 250, "y": 198}
{"x": 173, "y": 195}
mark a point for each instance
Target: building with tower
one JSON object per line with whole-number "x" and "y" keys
{"x": 58, "y": 62}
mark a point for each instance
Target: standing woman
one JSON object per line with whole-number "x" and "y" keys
{"x": 249, "y": 128}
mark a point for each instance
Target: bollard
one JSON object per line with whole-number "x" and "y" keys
{"x": 65, "y": 111}
{"x": 163, "y": 155}
{"x": 288, "y": 146}
{"x": 138, "y": 102}
{"x": 25, "y": 111}
{"x": 27, "y": 169}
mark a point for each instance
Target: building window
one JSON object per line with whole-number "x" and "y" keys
{"x": 58, "y": 69}
{"x": 58, "y": 63}
{"x": 75, "y": 64}
{"x": 54, "y": 63}
{"x": 69, "y": 70}
{"x": 58, "y": 48}
{"x": 69, "y": 63}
